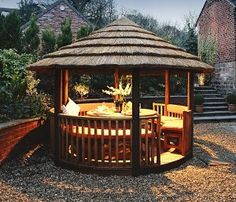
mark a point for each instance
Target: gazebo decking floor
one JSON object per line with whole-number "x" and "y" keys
{"x": 169, "y": 157}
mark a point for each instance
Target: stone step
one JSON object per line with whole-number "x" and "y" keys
{"x": 214, "y": 113}
{"x": 205, "y": 91}
{"x": 214, "y": 118}
{"x": 204, "y": 88}
{"x": 214, "y": 99}
{"x": 215, "y": 108}
{"x": 215, "y": 104}
{"x": 211, "y": 95}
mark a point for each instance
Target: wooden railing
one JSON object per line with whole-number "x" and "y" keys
{"x": 88, "y": 141}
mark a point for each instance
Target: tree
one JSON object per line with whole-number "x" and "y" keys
{"x": 84, "y": 31}
{"x": 27, "y": 9}
{"x": 99, "y": 12}
{"x": 207, "y": 50}
{"x": 147, "y": 22}
{"x": 48, "y": 41}
{"x": 31, "y": 37}
{"x": 11, "y": 32}
{"x": 2, "y": 31}
{"x": 190, "y": 42}
{"x": 65, "y": 37}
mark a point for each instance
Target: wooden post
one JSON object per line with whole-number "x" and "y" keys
{"x": 135, "y": 123}
{"x": 65, "y": 81}
{"x": 190, "y": 91}
{"x": 190, "y": 103}
{"x": 57, "y": 108}
{"x": 116, "y": 81}
{"x": 116, "y": 78}
{"x": 167, "y": 90}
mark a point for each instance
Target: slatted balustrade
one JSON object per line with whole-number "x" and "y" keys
{"x": 104, "y": 142}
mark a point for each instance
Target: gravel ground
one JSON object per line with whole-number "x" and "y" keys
{"x": 209, "y": 176}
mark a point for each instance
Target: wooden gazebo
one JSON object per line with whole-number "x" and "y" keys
{"x": 122, "y": 47}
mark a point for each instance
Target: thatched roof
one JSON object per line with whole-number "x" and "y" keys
{"x": 122, "y": 44}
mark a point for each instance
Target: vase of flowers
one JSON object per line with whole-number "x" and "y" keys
{"x": 119, "y": 94}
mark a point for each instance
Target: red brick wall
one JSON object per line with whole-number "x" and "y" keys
{"x": 218, "y": 20}
{"x": 54, "y": 18}
{"x": 12, "y": 135}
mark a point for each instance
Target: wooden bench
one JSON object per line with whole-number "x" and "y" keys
{"x": 176, "y": 127}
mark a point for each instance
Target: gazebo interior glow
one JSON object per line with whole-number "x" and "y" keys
{"x": 146, "y": 141}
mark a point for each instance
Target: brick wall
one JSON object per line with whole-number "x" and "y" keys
{"x": 54, "y": 18}
{"x": 11, "y": 133}
{"x": 218, "y": 20}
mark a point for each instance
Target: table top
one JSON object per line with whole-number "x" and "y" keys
{"x": 112, "y": 114}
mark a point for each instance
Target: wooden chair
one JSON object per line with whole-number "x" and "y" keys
{"x": 175, "y": 127}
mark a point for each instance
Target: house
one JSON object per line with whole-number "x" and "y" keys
{"x": 53, "y": 16}
{"x": 218, "y": 20}
{"x": 6, "y": 11}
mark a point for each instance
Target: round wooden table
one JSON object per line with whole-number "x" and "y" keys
{"x": 114, "y": 115}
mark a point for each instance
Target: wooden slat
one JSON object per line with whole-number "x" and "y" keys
{"x": 83, "y": 143}
{"x": 146, "y": 143}
{"x": 78, "y": 145}
{"x": 109, "y": 144}
{"x": 102, "y": 142}
{"x": 167, "y": 90}
{"x": 117, "y": 143}
{"x": 95, "y": 142}
{"x": 89, "y": 142}
{"x": 66, "y": 147}
{"x": 124, "y": 141}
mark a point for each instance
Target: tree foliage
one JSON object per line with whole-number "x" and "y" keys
{"x": 65, "y": 37}
{"x": 84, "y": 31}
{"x": 27, "y": 9}
{"x": 10, "y": 32}
{"x": 31, "y": 37}
{"x": 207, "y": 50}
{"x": 98, "y": 12}
{"x": 48, "y": 41}
{"x": 19, "y": 96}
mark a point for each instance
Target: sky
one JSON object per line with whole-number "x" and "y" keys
{"x": 171, "y": 11}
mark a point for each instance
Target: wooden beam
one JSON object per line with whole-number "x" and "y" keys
{"x": 167, "y": 90}
{"x": 135, "y": 123}
{"x": 57, "y": 108}
{"x": 190, "y": 91}
{"x": 65, "y": 84}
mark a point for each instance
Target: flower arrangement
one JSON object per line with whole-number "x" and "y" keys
{"x": 119, "y": 93}
{"x": 81, "y": 89}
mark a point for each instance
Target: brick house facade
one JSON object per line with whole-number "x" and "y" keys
{"x": 55, "y": 14}
{"x": 218, "y": 20}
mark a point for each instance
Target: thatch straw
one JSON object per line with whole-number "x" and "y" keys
{"x": 122, "y": 44}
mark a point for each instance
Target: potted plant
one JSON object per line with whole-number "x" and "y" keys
{"x": 231, "y": 99}
{"x": 198, "y": 101}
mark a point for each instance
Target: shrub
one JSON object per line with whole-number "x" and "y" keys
{"x": 48, "y": 41}
{"x": 198, "y": 99}
{"x": 84, "y": 31}
{"x": 231, "y": 98}
{"x": 65, "y": 37}
{"x": 19, "y": 96}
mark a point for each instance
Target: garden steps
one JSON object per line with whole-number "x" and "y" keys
{"x": 215, "y": 106}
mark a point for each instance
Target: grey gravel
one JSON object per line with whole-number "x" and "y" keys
{"x": 209, "y": 176}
